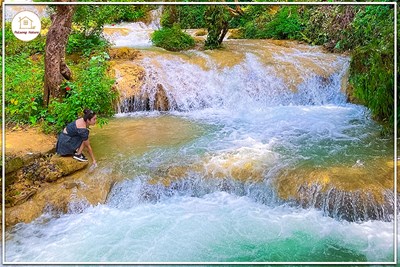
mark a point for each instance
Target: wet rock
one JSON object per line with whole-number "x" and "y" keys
{"x": 129, "y": 79}
{"x": 123, "y": 53}
{"x": 28, "y": 179}
{"x": 24, "y": 146}
{"x": 355, "y": 193}
{"x": 41, "y": 182}
{"x": 118, "y": 31}
{"x": 24, "y": 196}
{"x": 64, "y": 166}
{"x": 70, "y": 185}
{"x": 71, "y": 193}
{"x": 161, "y": 99}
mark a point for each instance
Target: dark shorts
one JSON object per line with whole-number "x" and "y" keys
{"x": 67, "y": 145}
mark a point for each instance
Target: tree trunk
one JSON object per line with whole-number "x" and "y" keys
{"x": 56, "y": 70}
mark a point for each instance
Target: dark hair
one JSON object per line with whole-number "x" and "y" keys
{"x": 88, "y": 114}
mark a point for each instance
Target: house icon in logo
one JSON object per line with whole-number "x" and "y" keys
{"x": 25, "y": 23}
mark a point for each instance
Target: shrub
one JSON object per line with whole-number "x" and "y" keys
{"x": 91, "y": 89}
{"x": 285, "y": 25}
{"x": 372, "y": 65}
{"x": 23, "y": 89}
{"x": 24, "y": 83}
{"x": 86, "y": 45}
{"x": 172, "y": 39}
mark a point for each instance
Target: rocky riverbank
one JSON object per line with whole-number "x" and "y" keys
{"x": 39, "y": 181}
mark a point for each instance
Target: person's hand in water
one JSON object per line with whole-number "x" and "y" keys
{"x": 93, "y": 166}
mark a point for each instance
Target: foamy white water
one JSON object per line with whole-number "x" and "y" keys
{"x": 217, "y": 227}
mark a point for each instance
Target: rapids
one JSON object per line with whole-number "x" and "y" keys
{"x": 216, "y": 177}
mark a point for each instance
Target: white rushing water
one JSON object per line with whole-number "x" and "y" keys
{"x": 217, "y": 227}
{"x": 250, "y": 119}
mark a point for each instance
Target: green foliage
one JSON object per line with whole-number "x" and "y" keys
{"x": 172, "y": 39}
{"x": 129, "y": 13}
{"x": 169, "y": 16}
{"x": 23, "y": 89}
{"x": 374, "y": 24}
{"x": 14, "y": 46}
{"x": 261, "y": 22}
{"x": 217, "y": 20}
{"x": 85, "y": 45}
{"x": 187, "y": 16}
{"x": 285, "y": 25}
{"x": 253, "y": 20}
{"x": 330, "y": 26}
{"x": 192, "y": 16}
{"x": 91, "y": 89}
{"x": 372, "y": 65}
{"x": 90, "y": 19}
{"x": 372, "y": 77}
{"x": 88, "y": 23}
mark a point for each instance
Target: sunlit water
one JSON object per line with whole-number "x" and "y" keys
{"x": 199, "y": 178}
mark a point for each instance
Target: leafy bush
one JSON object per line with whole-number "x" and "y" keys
{"x": 172, "y": 39}
{"x": 129, "y": 13}
{"x": 373, "y": 81}
{"x": 285, "y": 25}
{"x": 187, "y": 16}
{"x": 23, "y": 89}
{"x": 330, "y": 26}
{"x": 91, "y": 89}
{"x": 86, "y": 45}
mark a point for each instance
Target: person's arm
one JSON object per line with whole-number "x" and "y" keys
{"x": 89, "y": 148}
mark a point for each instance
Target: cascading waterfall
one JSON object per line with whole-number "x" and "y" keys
{"x": 249, "y": 84}
{"x": 256, "y": 157}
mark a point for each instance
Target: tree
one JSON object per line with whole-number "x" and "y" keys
{"x": 217, "y": 18}
{"x": 56, "y": 70}
{"x": 217, "y": 25}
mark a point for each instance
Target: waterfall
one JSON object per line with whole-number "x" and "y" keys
{"x": 196, "y": 80}
{"x": 136, "y": 34}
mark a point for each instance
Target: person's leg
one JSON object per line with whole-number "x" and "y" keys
{"x": 78, "y": 155}
{"x": 80, "y": 149}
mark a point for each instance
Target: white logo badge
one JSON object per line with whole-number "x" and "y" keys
{"x": 26, "y": 26}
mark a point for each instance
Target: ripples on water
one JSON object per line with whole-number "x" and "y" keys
{"x": 217, "y": 227}
{"x": 197, "y": 219}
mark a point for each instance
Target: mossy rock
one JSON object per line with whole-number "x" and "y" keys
{"x": 13, "y": 163}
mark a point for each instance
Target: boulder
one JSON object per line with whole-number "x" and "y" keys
{"x": 66, "y": 165}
